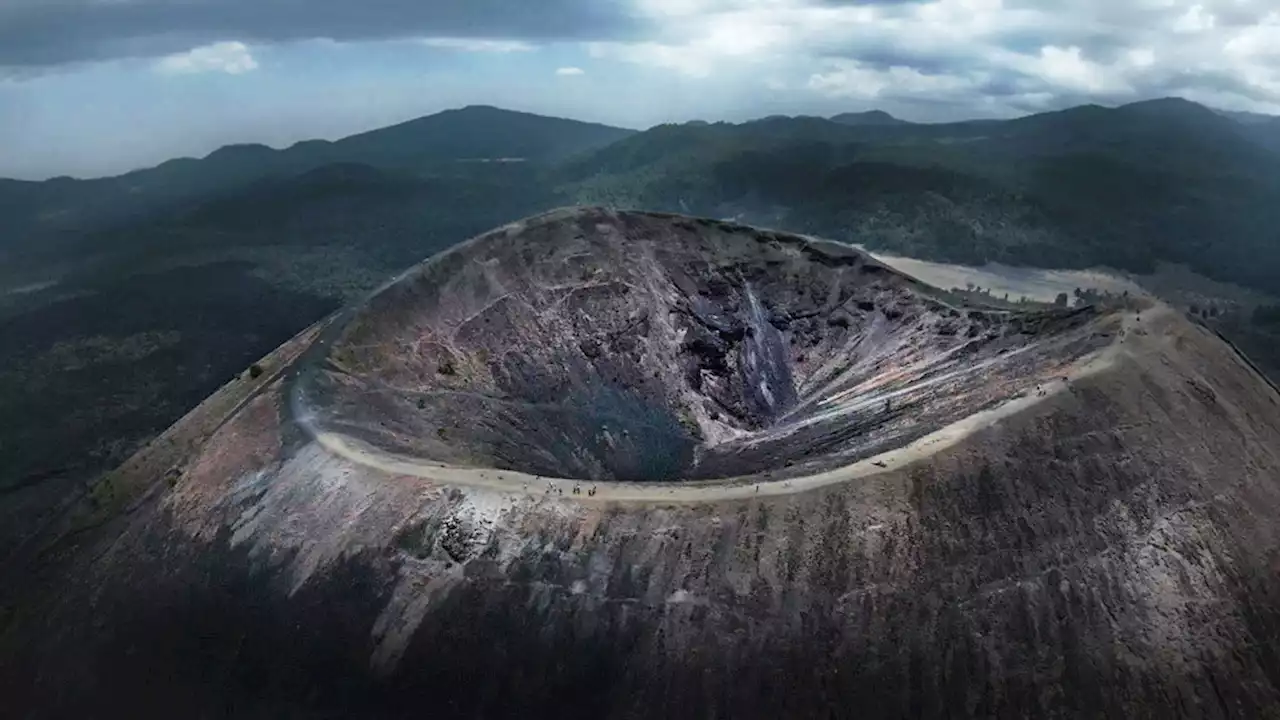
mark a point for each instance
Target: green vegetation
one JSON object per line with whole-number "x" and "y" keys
{"x": 1160, "y": 181}
{"x": 1163, "y": 181}
{"x": 1267, "y": 316}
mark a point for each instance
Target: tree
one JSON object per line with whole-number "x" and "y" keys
{"x": 1061, "y": 300}
{"x": 1266, "y": 315}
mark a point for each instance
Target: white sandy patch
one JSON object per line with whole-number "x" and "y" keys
{"x": 28, "y": 289}
{"x": 1032, "y": 283}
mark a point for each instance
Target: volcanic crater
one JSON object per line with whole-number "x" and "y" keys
{"x": 646, "y": 348}
{"x": 798, "y": 482}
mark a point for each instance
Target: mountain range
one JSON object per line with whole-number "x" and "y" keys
{"x": 126, "y": 300}
{"x": 1162, "y": 180}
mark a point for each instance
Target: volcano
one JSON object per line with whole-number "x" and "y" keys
{"x": 616, "y": 464}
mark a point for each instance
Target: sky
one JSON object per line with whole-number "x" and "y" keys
{"x": 99, "y": 87}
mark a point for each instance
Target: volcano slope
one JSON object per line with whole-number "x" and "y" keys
{"x": 602, "y": 464}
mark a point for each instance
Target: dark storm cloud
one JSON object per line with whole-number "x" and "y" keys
{"x": 1236, "y": 16}
{"x": 945, "y": 61}
{"x": 53, "y": 32}
{"x": 883, "y": 58}
{"x": 884, "y": 50}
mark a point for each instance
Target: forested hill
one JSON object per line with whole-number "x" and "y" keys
{"x": 447, "y": 144}
{"x": 1159, "y": 181}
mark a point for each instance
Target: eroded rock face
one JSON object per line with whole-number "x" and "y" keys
{"x": 645, "y": 348}
{"x": 1099, "y": 539}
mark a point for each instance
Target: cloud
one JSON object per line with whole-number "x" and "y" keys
{"x": 982, "y": 56}
{"x": 971, "y": 56}
{"x": 478, "y": 45}
{"x": 850, "y": 79}
{"x": 43, "y": 33}
{"x": 570, "y": 71}
{"x": 699, "y": 37}
{"x": 232, "y": 58}
{"x": 1195, "y": 19}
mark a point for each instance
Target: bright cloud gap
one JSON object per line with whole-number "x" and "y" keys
{"x": 479, "y": 45}
{"x": 232, "y": 58}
